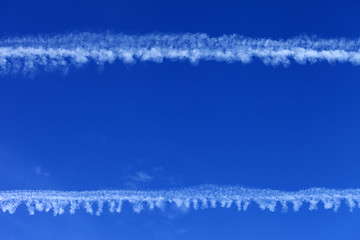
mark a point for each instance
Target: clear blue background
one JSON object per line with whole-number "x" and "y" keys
{"x": 174, "y": 124}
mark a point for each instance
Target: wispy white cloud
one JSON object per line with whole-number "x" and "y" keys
{"x": 27, "y": 54}
{"x": 141, "y": 177}
{"x": 200, "y": 197}
{"x": 134, "y": 181}
{"x": 40, "y": 171}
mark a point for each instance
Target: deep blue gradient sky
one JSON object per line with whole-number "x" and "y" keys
{"x": 174, "y": 124}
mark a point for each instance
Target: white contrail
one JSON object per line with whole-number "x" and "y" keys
{"x": 26, "y": 54}
{"x": 203, "y": 196}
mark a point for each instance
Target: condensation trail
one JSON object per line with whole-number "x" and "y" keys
{"x": 59, "y": 52}
{"x": 204, "y": 196}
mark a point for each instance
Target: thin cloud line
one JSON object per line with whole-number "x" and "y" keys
{"x": 204, "y": 196}
{"x": 60, "y": 52}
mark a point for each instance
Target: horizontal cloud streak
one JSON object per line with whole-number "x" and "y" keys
{"x": 204, "y": 196}
{"x": 26, "y": 54}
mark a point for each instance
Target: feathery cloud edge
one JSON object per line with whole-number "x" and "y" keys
{"x": 60, "y": 52}
{"x": 203, "y": 196}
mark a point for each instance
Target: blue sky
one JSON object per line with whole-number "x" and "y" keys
{"x": 158, "y": 125}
